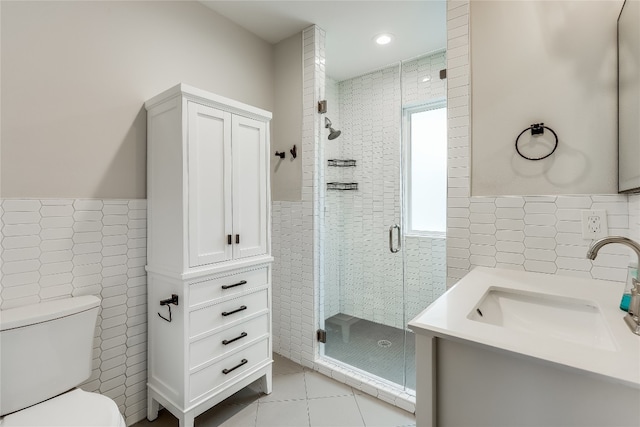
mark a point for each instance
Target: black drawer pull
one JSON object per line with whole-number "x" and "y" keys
{"x": 226, "y": 313}
{"x": 242, "y": 335}
{"x": 243, "y": 362}
{"x": 242, "y": 282}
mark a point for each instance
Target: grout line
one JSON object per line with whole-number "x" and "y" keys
{"x": 359, "y": 410}
{"x": 306, "y": 394}
{"x": 255, "y": 418}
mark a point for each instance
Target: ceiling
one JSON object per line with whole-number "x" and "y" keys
{"x": 418, "y": 27}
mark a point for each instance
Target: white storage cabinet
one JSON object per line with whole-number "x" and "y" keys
{"x": 208, "y": 243}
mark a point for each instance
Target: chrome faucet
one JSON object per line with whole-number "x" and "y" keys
{"x": 632, "y": 319}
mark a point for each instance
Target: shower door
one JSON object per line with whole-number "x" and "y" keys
{"x": 383, "y": 209}
{"x": 363, "y": 275}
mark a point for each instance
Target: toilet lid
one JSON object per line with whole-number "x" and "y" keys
{"x": 74, "y": 408}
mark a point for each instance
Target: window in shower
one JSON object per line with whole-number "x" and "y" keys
{"x": 426, "y": 176}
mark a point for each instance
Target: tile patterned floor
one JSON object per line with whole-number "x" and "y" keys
{"x": 300, "y": 397}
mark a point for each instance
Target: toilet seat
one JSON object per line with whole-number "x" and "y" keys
{"x": 74, "y": 408}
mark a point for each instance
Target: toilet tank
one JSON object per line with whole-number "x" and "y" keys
{"x": 45, "y": 349}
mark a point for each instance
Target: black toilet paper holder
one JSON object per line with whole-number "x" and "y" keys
{"x": 172, "y": 300}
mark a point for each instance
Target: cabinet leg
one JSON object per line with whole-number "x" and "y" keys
{"x": 186, "y": 420}
{"x": 266, "y": 384}
{"x": 152, "y": 408}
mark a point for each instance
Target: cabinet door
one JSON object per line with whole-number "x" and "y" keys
{"x": 209, "y": 184}
{"x": 249, "y": 187}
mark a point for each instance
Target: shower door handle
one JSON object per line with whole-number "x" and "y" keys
{"x": 391, "y": 248}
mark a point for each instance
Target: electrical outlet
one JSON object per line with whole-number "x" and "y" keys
{"x": 594, "y": 224}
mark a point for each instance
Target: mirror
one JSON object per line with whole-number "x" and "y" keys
{"x": 629, "y": 98}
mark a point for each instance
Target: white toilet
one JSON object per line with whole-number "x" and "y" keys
{"x": 46, "y": 351}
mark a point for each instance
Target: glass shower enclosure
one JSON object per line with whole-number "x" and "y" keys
{"x": 382, "y": 253}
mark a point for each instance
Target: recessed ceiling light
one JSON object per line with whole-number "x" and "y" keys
{"x": 426, "y": 79}
{"x": 384, "y": 38}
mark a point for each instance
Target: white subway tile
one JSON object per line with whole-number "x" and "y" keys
{"x": 540, "y": 254}
{"x": 56, "y": 233}
{"x": 571, "y": 251}
{"x": 56, "y": 222}
{"x": 53, "y": 292}
{"x": 56, "y": 268}
{"x": 20, "y": 230}
{"x": 86, "y": 248}
{"x": 540, "y": 231}
{"x": 513, "y": 247}
{"x": 114, "y": 209}
{"x": 21, "y": 254}
{"x": 18, "y": 292}
{"x": 509, "y": 213}
{"x": 20, "y": 242}
{"x": 607, "y": 273}
{"x": 573, "y": 202}
{"x": 510, "y": 224}
{"x": 580, "y": 264}
{"x": 540, "y": 242}
{"x": 483, "y": 239}
{"x": 14, "y": 218}
{"x": 87, "y": 205}
{"x": 482, "y": 218}
{"x": 12, "y": 267}
{"x": 540, "y": 219}
{"x": 540, "y": 266}
{"x": 87, "y": 226}
{"x": 87, "y": 215}
{"x": 510, "y": 235}
{"x": 56, "y": 256}
{"x": 510, "y": 258}
{"x": 21, "y": 205}
{"x": 540, "y": 208}
{"x": 56, "y": 279}
{"x": 56, "y": 210}
{"x": 569, "y": 226}
{"x": 487, "y": 250}
{"x": 90, "y": 258}
{"x": 56, "y": 202}
{"x": 87, "y": 237}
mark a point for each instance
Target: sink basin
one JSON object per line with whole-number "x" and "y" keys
{"x": 567, "y": 319}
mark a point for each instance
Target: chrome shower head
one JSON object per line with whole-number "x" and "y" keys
{"x": 333, "y": 134}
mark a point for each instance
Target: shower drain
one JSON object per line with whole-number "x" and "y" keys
{"x": 384, "y": 343}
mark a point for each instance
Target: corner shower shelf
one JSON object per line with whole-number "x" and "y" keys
{"x": 342, "y": 186}
{"x": 341, "y": 163}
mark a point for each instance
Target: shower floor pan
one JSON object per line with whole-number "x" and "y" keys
{"x": 372, "y": 347}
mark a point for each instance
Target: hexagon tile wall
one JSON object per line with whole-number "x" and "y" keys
{"x": 61, "y": 247}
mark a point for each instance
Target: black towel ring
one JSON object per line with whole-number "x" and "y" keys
{"x": 537, "y": 129}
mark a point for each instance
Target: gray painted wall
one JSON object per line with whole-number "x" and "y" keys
{"x": 75, "y": 76}
{"x": 551, "y": 62}
{"x": 286, "y": 129}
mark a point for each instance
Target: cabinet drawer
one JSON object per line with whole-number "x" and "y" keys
{"x": 227, "y": 285}
{"x": 217, "y": 315}
{"x": 214, "y": 377}
{"x": 223, "y": 342}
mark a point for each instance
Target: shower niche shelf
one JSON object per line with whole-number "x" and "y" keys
{"x": 341, "y": 163}
{"x": 342, "y": 186}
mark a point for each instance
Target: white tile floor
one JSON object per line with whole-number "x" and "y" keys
{"x": 300, "y": 397}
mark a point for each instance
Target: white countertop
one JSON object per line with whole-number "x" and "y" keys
{"x": 447, "y": 317}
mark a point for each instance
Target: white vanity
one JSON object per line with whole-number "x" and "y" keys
{"x": 512, "y": 348}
